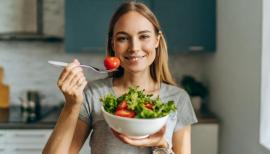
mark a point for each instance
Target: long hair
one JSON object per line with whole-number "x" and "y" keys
{"x": 159, "y": 69}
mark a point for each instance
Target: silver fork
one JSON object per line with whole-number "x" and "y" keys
{"x": 64, "y": 64}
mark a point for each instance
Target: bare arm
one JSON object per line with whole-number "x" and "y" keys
{"x": 182, "y": 141}
{"x": 62, "y": 135}
{"x": 81, "y": 133}
{"x": 71, "y": 82}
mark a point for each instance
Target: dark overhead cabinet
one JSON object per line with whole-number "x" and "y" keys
{"x": 188, "y": 25}
{"x": 87, "y": 24}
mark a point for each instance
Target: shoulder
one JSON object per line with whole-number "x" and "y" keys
{"x": 172, "y": 90}
{"x": 175, "y": 93}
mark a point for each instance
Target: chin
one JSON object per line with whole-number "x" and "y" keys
{"x": 137, "y": 69}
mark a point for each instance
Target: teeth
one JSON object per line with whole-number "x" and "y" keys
{"x": 134, "y": 58}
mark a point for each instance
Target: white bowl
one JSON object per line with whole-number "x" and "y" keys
{"x": 132, "y": 127}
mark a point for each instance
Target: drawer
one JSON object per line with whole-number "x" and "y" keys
{"x": 2, "y": 136}
{"x": 27, "y": 136}
{"x": 24, "y": 149}
{"x": 3, "y": 149}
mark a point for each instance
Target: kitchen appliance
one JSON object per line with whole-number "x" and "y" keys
{"x": 31, "y": 104}
{"x": 29, "y": 21}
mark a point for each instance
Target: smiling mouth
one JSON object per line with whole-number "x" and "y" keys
{"x": 134, "y": 58}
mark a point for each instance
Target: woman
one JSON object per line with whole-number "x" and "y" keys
{"x": 136, "y": 39}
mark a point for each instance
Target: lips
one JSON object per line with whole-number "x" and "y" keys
{"x": 134, "y": 58}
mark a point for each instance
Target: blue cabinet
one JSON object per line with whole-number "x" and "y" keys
{"x": 87, "y": 24}
{"x": 188, "y": 25}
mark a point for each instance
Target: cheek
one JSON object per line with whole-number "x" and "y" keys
{"x": 149, "y": 48}
{"x": 119, "y": 48}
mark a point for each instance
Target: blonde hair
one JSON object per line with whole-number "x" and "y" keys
{"x": 159, "y": 69}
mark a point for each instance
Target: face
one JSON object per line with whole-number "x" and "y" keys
{"x": 135, "y": 42}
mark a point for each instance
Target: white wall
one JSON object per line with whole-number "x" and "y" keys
{"x": 234, "y": 74}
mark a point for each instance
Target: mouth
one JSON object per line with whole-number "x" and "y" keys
{"x": 134, "y": 58}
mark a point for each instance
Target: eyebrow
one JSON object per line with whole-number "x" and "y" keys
{"x": 140, "y": 32}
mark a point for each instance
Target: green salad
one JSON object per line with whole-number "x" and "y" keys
{"x": 137, "y": 104}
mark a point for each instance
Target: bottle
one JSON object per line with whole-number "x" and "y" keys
{"x": 4, "y": 91}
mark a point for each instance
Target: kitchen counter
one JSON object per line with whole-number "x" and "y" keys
{"x": 14, "y": 118}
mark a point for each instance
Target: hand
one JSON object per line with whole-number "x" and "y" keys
{"x": 72, "y": 82}
{"x": 154, "y": 140}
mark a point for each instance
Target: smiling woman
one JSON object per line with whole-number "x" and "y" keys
{"x": 135, "y": 42}
{"x": 135, "y": 38}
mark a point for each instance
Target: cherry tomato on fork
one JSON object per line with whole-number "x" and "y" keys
{"x": 111, "y": 62}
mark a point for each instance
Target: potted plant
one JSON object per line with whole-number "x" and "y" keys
{"x": 197, "y": 91}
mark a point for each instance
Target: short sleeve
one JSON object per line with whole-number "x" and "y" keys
{"x": 185, "y": 113}
{"x": 86, "y": 108}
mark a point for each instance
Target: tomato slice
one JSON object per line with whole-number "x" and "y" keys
{"x": 122, "y": 105}
{"x": 111, "y": 62}
{"x": 149, "y": 106}
{"x": 125, "y": 113}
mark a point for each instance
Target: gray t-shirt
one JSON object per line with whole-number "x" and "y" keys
{"x": 103, "y": 141}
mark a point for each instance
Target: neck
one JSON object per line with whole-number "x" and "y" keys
{"x": 142, "y": 79}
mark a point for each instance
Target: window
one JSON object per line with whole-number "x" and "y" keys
{"x": 265, "y": 77}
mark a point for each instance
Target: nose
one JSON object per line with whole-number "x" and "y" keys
{"x": 134, "y": 45}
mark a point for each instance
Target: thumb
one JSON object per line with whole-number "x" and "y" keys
{"x": 76, "y": 61}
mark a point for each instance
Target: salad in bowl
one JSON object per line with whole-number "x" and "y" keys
{"x": 135, "y": 113}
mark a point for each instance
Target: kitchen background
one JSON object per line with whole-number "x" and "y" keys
{"x": 232, "y": 72}
{"x": 25, "y": 62}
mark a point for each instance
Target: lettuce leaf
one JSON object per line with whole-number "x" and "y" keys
{"x": 136, "y": 100}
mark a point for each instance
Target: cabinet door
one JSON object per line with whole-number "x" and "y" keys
{"x": 35, "y": 136}
{"x": 2, "y": 136}
{"x": 25, "y": 141}
{"x": 25, "y": 148}
{"x": 204, "y": 29}
{"x": 188, "y": 25}
{"x": 175, "y": 23}
{"x": 87, "y": 24}
{"x": 3, "y": 149}
{"x": 204, "y": 138}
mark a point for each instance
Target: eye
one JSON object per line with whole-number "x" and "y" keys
{"x": 144, "y": 37}
{"x": 122, "y": 38}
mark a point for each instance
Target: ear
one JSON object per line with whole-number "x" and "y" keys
{"x": 158, "y": 39}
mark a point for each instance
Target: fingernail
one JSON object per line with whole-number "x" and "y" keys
{"x": 76, "y": 61}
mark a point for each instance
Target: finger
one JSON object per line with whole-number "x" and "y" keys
{"x": 161, "y": 132}
{"x": 77, "y": 79}
{"x": 117, "y": 135}
{"x": 83, "y": 85}
{"x": 64, "y": 74}
{"x": 142, "y": 142}
{"x": 148, "y": 141}
{"x": 72, "y": 74}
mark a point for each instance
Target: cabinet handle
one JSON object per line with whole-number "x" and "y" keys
{"x": 30, "y": 135}
{"x": 27, "y": 149}
{"x": 196, "y": 48}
